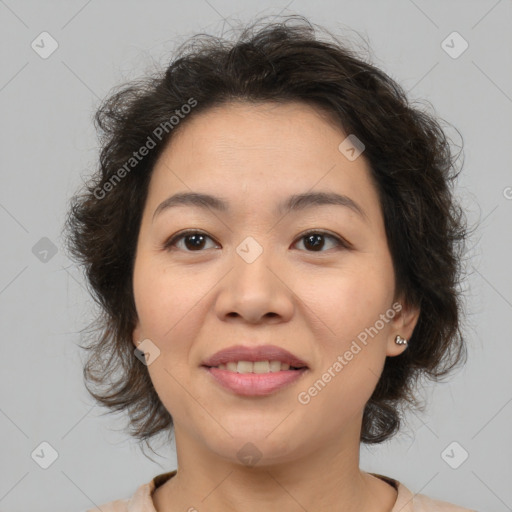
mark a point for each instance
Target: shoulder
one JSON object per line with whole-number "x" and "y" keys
{"x": 423, "y": 503}
{"x": 407, "y": 501}
{"x": 112, "y": 506}
{"x": 141, "y": 501}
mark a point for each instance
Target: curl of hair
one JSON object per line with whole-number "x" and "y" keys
{"x": 412, "y": 168}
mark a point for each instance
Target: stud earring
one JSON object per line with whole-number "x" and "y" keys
{"x": 400, "y": 341}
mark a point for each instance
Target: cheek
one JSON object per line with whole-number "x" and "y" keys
{"x": 166, "y": 304}
{"x": 338, "y": 397}
{"x": 351, "y": 336}
{"x": 342, "y": 304}
{"x": 164, "y": 299}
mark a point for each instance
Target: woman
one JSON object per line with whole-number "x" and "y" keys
{"x": 274, "y": 242}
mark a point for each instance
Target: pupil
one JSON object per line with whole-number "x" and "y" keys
{"x": 315, "y": 241}
{"x": 199, "y": 240}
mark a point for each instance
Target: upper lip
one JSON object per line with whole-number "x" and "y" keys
{"x": 261, "y": 353}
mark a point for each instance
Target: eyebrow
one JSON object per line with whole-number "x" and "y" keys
{"x": 294, "y": 203}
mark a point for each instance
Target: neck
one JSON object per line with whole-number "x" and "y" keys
{"x": 325, "y": 474}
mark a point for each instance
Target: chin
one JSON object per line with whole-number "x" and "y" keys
{"x": 257, "y": 446}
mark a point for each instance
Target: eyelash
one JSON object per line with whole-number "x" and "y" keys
{"x": 183, "y": 234}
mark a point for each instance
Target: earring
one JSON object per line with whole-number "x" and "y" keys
{"x": 400, "y": 341}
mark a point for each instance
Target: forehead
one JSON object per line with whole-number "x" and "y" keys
{"x": 244, "y": 126}
{"x": 261, "y": 154}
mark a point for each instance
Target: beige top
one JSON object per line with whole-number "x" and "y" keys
{"x": 406, "y": 501}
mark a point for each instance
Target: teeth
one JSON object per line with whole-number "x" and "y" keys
{"x": 232, "y": 366}
{"x": 256, "y": 367}
{"x": 245, "y": 367}
{"x": 261, "y": 367}
{"x": 275, "y": 366}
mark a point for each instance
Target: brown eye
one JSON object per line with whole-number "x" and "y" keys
{"x": 194, "y": 241}
{"x": 314, "y": 241}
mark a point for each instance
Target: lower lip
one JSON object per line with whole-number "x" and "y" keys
{"x": 255, "y": 384}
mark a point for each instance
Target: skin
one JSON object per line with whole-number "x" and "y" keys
{"x": 193, "y": 302}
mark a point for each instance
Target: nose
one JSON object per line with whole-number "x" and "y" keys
{"x": 255, "y": 291}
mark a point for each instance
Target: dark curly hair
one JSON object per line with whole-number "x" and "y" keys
{"x": 412, "y": 167}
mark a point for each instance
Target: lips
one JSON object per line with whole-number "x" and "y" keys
{"x": 253, "y": 354}
{"x": 253, "y": 384}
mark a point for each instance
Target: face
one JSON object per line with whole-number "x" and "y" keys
{"x": 250, "y": 274}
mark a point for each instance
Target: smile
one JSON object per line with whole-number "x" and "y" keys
{"x": 249, "y": 383}
{"x": 255, "y": 367}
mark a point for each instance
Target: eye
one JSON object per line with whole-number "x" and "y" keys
{"x": 315, "y": 240}
{"x": 193, "y": 239}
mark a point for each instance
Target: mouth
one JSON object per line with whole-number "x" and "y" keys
{"x": 255, "y": 371}
{"x": 258, "y": 367}
{"x": 258, "y": 359}
{"x": 254, "y": 384}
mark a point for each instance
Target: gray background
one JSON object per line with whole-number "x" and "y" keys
{"x": 49, "y": 145}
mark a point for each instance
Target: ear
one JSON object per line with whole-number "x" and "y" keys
{"x": 136, "y": 335}
{"x": 403, "y": 324}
